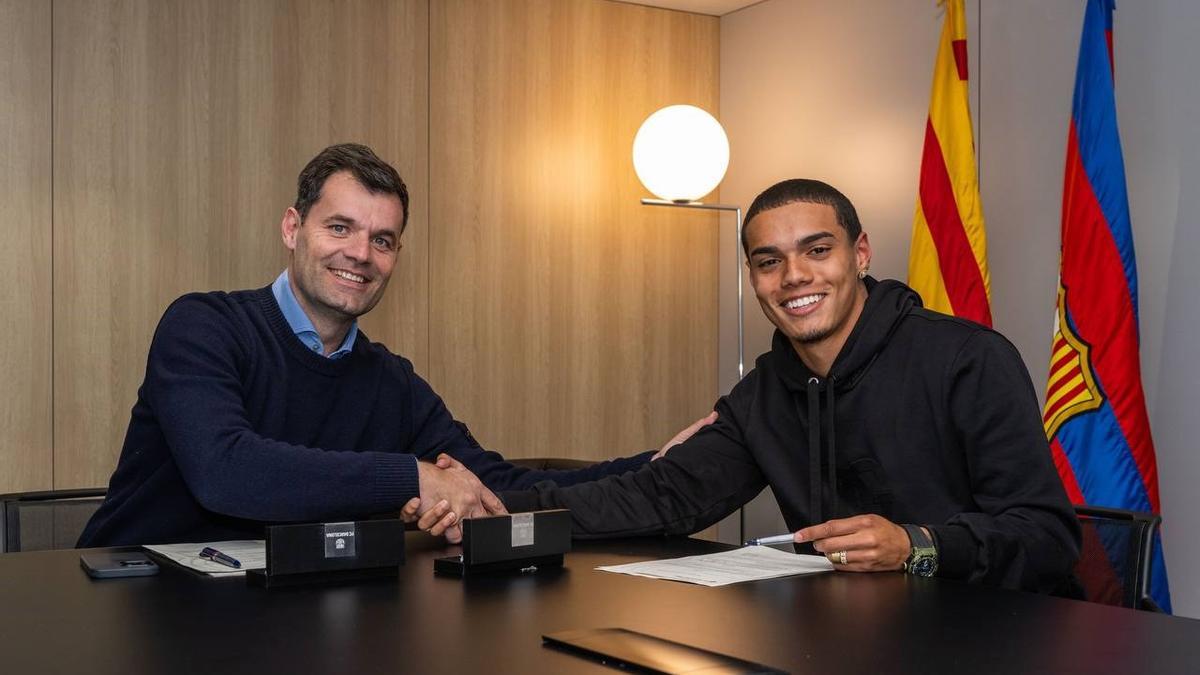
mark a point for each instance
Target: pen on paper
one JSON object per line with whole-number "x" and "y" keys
{"x": 216, "y": 556}
{"x": 770, "y": 541}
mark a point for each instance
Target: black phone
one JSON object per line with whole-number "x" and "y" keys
{"x": 115, "y": 565}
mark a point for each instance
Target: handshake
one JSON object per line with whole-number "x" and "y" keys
{"x": 449, "y": 493}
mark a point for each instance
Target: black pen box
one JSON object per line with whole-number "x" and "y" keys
{"x": 517, "y": 541}
{"x": 316, "y": 553}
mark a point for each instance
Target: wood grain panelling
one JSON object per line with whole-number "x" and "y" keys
{"x": 565, "y": 318}
{"x": 180, "y": 126}
{"x": 25, "y": 293}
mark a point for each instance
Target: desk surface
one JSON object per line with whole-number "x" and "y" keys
{"x": 54, "y": 619}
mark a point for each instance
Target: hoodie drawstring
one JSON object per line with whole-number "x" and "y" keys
{"x": 832, "y": 449}
{"x": 814, "y": 452}
{"x": 816, "y": 496}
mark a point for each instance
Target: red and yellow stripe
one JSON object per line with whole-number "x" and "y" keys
{"x": 948, "y": 261}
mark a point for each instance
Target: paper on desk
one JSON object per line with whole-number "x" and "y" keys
{"x": 251, "y": 553}
{"x": 750, "y": 563}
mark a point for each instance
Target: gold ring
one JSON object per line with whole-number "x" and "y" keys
{"x": 841, "y": 557}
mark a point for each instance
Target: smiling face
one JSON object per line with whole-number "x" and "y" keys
{"x": 343, "y": 252}
{"x": 804, "y": 270}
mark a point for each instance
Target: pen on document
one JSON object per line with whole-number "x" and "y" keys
{"x": 216, "y": 556}
{"x": 770, "y": 541}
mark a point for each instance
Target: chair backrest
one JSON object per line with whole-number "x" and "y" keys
{"x": 1114, "y": 563}
{"x": 536, "y": 463}
{"x": 40, "y": 521}
{"x": 549, "y": 463}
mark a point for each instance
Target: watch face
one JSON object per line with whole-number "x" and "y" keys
{"x": 924, "y": 567}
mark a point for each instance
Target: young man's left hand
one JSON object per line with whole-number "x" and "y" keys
{"x": 872, "y": 543}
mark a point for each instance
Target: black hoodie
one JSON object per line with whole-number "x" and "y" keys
{"x": 928, "y": 419}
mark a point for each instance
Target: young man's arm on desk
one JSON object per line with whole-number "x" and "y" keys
{"x": 695, "y": 485}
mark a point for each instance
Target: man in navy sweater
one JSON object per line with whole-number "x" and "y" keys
{"x": 269, "y": 405}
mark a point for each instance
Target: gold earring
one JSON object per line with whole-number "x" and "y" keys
{"x": 862, "y": 274}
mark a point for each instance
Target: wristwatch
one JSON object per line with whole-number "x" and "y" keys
{"x": 922, "y": 561}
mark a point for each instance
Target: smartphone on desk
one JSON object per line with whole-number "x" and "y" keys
{"x": 115, "y": 565}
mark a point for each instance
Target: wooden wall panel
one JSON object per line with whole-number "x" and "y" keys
{"x": 179, "y": 128}
{"x": 25, "y": 294}
{"x": 565, "y": 318}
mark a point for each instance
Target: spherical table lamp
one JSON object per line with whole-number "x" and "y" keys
{"x": 680, "y": 153}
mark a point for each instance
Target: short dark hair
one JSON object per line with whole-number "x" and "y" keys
{"x": 374, "y": 174}
{"x": 808, "y": 191}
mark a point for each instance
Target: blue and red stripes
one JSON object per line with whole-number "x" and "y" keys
{"x": 1102, "y": 310}
{"x": 1094, "y": 126}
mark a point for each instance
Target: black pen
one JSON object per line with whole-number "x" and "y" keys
{"x": 216, "y": 556}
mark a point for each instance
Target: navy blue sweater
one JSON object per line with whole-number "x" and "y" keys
{"x": 237, "y": 425}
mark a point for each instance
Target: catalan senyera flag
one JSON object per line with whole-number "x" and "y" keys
{"x": 1095, "y": 415}
{"x": 948, "y": 261}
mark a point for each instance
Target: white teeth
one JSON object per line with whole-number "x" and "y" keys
{"x": 350, "y": 276}
{"x": 797, "y": 303}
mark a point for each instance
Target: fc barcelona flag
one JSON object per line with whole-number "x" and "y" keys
{"x": 1095, "y": 414}
{"x": 948, "y": 262}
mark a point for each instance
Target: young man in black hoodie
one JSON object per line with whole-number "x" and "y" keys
{"x": 894, "y": 438}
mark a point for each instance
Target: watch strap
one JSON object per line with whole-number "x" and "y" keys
{"x": 917, "y": 536}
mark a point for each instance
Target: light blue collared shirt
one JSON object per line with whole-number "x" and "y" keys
{"x": 300, "y": 323}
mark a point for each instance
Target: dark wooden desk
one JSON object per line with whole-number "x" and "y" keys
{"x": 54, "y": 619}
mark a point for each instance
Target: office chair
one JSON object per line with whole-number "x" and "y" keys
{"x": 1114, "y": 561}
{"x": 535, "y": 463}
{"x": 41, "y": 521}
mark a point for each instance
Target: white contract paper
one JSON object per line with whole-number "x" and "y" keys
{"x": 749, "y": 563}
{"x": 251, "y": 553}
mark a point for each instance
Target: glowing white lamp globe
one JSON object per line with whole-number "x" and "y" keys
{"x": 680, "y": 153}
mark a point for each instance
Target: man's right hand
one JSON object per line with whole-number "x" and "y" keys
{"x": 685, "y": 434}
{"x": 449, "y": 482}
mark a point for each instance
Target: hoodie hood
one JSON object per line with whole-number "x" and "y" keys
{"x": 888, "y": 302}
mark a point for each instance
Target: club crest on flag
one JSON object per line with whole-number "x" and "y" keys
{"x": 1071, "y": 388}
